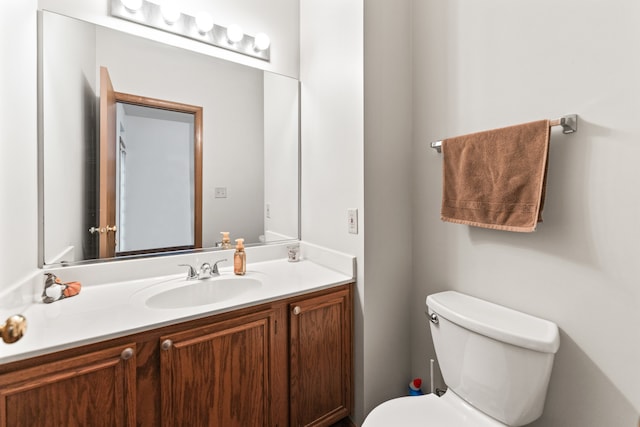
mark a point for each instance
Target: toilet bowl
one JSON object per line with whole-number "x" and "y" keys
{"x": 495, "y": 361}
{"x": 429, "y": 410}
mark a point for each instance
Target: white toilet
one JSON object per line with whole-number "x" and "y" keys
{"x": 495, "y": 361}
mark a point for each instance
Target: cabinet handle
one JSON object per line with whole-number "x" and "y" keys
{"x": 297, "y": 310}
{"x": 127, "y": 353}
{"x": 166, "y": 344}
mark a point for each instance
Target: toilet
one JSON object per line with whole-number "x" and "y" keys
{"x": 495, "y": 361}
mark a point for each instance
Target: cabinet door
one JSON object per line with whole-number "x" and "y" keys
{"x": 219, "y": 375}
{"x": 320, "y": 359}
{"x": 95, "y": 389}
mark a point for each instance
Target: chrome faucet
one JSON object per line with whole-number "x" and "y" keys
{"x": 214, "y": 268}
{"x": 191, "y": 273}
{"x": 206, "y": 270}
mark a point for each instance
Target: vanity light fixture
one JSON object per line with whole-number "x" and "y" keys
{"x": 170, "y": 11}
{"x": 261, "y": 42}
{"x": 166, "y": 16}
{"x": 204, "y": 22}
{"x": 132, "y": 5}
{"x": 234, "y": 34}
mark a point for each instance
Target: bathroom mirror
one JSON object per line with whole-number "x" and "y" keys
{"x": 250, "y": 144}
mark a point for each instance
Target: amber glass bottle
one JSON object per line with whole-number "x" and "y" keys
{"x": 240, "y": 258}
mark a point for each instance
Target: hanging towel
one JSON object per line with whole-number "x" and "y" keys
{"x": 496, "y": 179}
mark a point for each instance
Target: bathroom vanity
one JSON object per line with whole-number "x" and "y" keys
{"x": 281, "y": 361}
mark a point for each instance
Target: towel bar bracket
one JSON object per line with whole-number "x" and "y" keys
{"x": 569, "y": 125}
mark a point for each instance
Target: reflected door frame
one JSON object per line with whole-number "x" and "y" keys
{"x": 108, "y": 153}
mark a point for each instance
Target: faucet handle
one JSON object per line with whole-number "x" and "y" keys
{"x": 191, "y": 274}
{"x": 214, "y": 267}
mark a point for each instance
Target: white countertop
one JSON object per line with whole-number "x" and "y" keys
{"x": 118, "y": 309}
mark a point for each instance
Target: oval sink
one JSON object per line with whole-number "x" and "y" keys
{"x": 202, "y": 292}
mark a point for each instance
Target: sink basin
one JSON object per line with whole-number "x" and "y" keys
{"x": 192, "y": 293}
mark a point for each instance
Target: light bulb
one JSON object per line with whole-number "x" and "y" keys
{"x": 132, "y": 5}
{"x": 261, "y": 42}
{"x": 204, "y": 22}
{"x": 234, "y": 33}
{"x": 170, "y": 12}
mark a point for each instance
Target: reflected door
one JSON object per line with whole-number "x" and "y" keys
{"x": 150, "y": 192}
{"x": 107, "y": 177}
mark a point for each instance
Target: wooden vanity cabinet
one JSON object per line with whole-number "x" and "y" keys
{"x": 320, "y": 359}
{"x": 221, "y": 374}
{"x": 279, "y": 364}
{"x": 93, "y": 389}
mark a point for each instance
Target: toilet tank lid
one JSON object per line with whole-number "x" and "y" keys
{"x": 496, "y": 321}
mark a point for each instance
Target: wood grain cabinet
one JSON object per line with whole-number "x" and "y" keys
{"x": 278, "y": 364}
{"x": 321, "y": 359}
{"x": 94, "y": 389}
{"x": 220, "y": 374}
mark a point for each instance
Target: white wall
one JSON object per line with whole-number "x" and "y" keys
{"x": 68, "y": 97}
{"x": 331, "y": 71}
{"x": 281, "y": 152}
{"x": 480, "y": 65}
{"x": 388, "y": 200}
{"x": 18, "y": 124}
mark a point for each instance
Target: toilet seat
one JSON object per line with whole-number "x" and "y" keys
{"x": 429, "y": 411}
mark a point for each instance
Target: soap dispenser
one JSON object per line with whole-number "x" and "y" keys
{"x": 240, "y": 258}
{"x": 226, "y": 242}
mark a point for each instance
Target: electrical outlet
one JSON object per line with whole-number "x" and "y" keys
{"x": 220, "y": 192}
{"x": 268, "y": 210}
{"x": 352, "y": 220}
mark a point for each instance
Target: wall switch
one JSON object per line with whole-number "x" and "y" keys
{"x": 220, "y": 192}
{"x": 352, "y": 220}
{"x": 267, "y": 210}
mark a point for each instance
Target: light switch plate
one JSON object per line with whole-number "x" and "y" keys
{"x": 352, "y": 220}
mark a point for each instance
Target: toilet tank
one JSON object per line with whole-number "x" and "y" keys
{"x": 497, "y": 359}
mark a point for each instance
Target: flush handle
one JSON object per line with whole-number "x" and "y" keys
{"x": 433, "y": 317}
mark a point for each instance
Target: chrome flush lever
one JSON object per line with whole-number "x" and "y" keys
{"x": 433, "y": 317}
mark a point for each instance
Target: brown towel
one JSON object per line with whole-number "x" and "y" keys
{"x": 496, "y": 179}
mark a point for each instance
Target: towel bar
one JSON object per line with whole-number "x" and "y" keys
{"x": 569, "y": 124}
